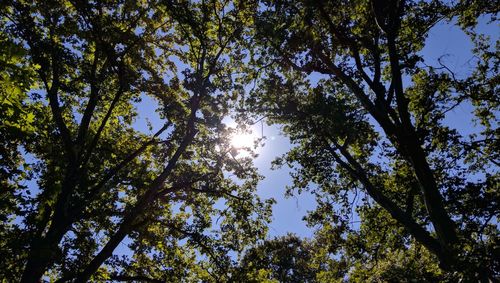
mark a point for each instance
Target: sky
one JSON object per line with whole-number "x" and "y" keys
{"x": 288, "y": 212}
{"x": 444, "y": 39}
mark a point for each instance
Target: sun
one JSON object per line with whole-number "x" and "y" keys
{"x": 243, "y": 140}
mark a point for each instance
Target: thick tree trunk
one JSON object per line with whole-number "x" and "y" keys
{"x": 44, "y": 248}
{"x": 42, "y": 252}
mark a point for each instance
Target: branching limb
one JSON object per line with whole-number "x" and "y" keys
{"x": 358, "y": 173}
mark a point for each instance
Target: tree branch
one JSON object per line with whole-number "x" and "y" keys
{"x": 92, "y": 103}
{"x": 113, "y": 171}
{"x": 358, "y": 173}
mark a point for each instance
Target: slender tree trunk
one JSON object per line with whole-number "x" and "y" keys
{"x": 106, "y": 251}
{"x": 411, "y": 146}
{"x": 137, "y": 210}
{"x": 125, "y": 227}
{"x": 444, "y": 226}
{"x": 420, "y": 234}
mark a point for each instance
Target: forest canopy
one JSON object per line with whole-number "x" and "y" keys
{"x": 89, "y": 195}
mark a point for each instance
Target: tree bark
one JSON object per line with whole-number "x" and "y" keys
{"x": 42, "y": 252}
{"x": 410, "y": 145}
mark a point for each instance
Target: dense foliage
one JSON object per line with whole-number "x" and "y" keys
{"x": 88, "y": 194}
{"x": 367, "y": 115}
{"x": 79, "y": 179}
{"x": 290, "y": 259}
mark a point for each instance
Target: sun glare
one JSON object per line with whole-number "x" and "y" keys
{"x": 243, "y": 140}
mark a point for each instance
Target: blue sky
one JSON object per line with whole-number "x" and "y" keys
{"x": 444, "y": 39}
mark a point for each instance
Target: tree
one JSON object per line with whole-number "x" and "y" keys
{"x": 366, "y": 112}
{"x": 96, "y": 180}
{"x": 285, "y": 259}
{"x": 290, "y": 259}
{"x": 16, "y": 125}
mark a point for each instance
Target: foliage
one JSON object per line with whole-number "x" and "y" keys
{"x": 16, "y": 126}
{"x": 367, "y": 115}
{"x": 88, "y": 194}
{"x": 289, "y": 259}
{"x": 283, "y": 260}
{"x": 106, "y": 199}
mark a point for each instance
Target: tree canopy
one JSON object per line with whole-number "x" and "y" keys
{"x": 88, "y": 195}
{"x": 74, "y": 71}
{"x": 370, "y": 133}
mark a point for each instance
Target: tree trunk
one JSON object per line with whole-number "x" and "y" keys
{"x": 138, "y": 209}
{"x": 44, "y": 248}
{"x": 42, "y": 252}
